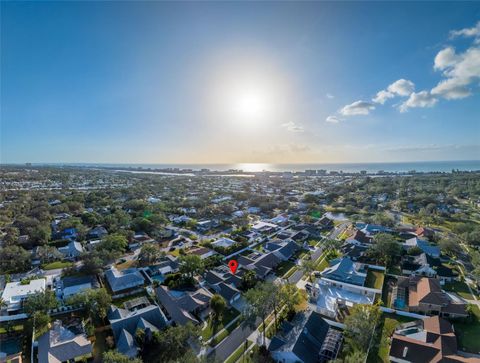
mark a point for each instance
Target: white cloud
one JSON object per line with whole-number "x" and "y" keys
{"x": 330, "y": 96}
{"x": 357, "y": 108}
{"x": 420, "y": 99}
{"x": 333, "y": 119}
{"x": 460, "y": 70}
{"x": 293, "y": 127}
{"x": 382, "y": 96}
{"x": 401, "y": 87}
{"x": 445, "y": 58}
{"x": 468, "y": 32}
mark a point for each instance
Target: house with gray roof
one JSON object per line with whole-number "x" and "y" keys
{"x": 311, "y": 340}
{"x": 124, "y": 280}
{"x": 60, "y": 344}
{"x": 184, "y": 306}
{"x": 425, "y": 246}
{"x": 124, "y": 324}
{"x": 73, "y": 250}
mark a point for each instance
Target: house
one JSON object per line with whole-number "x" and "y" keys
{"x": 346, "y": 283}
{"x": 372, "y": 229}
{"x": 423, "y": 232}
{"x": 60, "y": 344}
{"x": 182, "y": 307}
{"x": 283, "y": 249}
{"x": 16, "y": 292}
{"x": 72, "y": 251}
{"x": 353, "y": 251}
{"x": 429, "y": 340}
{"x": 424, "y": 295}
{"x": 261, "y": 264}
{"x": 325, "y": 223}
{"x": 425, "y": 246}
{"x": 359, "y": 238}
{"x": 140, "y": 238}
{"x": 224, "y": 242}
{"x": 418, "y": 266}
{"x": 97, "y": 233}
{"x": 124, "y": 324}
{"x": 72, "y": 285}
{"x": 202, "y": 252}
{"x": 264, "y": 227}
{"x": 166, "y": 265}
{"x": 315, "y": 341}
{"x": 224, "y": 283}
{"x": 120, "y": 281}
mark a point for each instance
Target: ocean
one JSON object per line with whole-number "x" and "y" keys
{"x": 398, "y": 167}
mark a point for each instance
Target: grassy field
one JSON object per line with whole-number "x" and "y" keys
{"x": 56, "y": 264}
{"x": 460, "y": 288}
{"x": 468, "y": 334}
{"x": 214, "y": 327}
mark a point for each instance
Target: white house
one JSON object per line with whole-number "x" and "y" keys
{"x": 16, "y": 292}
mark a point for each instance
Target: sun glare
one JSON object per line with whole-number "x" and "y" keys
{"x": 250, "y": 105}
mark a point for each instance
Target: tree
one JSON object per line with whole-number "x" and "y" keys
{"x": 190, "y": 265}
{"x": 290, "y": 296}
{"x": 259, "y": 304}
{"x": 114, "y": 242}
{"x": 149, "y": 254}
{"x": 48, "y": 254}
{"x": 308, "y": 266}
{"x": 40, "y": 301}
{"x": 249, "y": 279}
{"x": 114, "y": 356}
{"x": 384, "y": 249}
{"x": 95, "y": 301}
{"x": 450, "y": 246}
{"x": 14, "y": 259}
{"x": 218, "y": 305}
{"x": 171, "y": 344}
{"x": 360, "y": 325}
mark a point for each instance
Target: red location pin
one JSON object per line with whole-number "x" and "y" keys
{"x": 233, "y": 266}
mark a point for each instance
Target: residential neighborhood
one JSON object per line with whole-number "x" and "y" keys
{"x": 116, "y": 270}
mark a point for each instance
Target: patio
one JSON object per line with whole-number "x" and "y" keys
{"x": 329, "y": 297}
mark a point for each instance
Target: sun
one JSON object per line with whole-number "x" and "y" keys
{"x": 250, "y": 104}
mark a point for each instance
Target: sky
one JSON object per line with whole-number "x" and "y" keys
{"x": 239, "y": 82}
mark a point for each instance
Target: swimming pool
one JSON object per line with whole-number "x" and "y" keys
{"x": 11, "y": 345}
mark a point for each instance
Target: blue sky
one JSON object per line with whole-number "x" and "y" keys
{"x": 234, "y": 82}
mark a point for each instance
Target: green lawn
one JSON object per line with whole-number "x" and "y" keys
{"x": 460, "y": 288}
{"x": 468, "y": 334}
{"x": 225, "y": 333}
{"x": 374, "y": 279}
{"x": 119, "y": 302}
{"x": 238, "y": 352}
{"x": 12, "y": 328}
{"x": 283, "y": 268}
{"x": 56, "y": 264}
{"x": 214, "y": 327}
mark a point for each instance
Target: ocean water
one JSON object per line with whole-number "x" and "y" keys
{"x": 418, "y": 166}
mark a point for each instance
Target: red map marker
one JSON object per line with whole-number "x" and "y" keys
{"x": 233, "y": 266}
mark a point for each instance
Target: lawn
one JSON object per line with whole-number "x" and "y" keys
{"x": 460, "y": 288}
{"x": 126, "y": 264}
{"x": 238, "y": 353}
{"x": 56, "y": 264}
{"x": 12, "y": 328}
{"x": 214, "y": 327}
{"x": 322, "y": 262}
{"x": 468, "y": 333}
{"x": 284, "y": 267}
{"x": 374, "y": 279}
{"x": 290, "y": 273}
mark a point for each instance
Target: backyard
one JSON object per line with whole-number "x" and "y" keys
{"x": 468, "y": 333}
{"x": 460, "y": 288}
{"x": 284, "y": 267}
{"x": 374, "y": 279}
{"x": 214, "y": 327}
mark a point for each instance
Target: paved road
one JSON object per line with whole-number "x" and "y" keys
{"x": 233, "y": 341}
{"x": 296, "y": 276}
{"x": 339, "y": 229}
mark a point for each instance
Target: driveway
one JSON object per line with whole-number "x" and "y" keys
{"x": 233, "y": 341}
